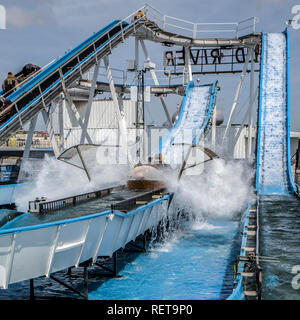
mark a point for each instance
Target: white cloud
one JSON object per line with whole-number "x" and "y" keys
{"x": 21, "y": 17}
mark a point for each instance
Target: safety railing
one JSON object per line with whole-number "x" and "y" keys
{"x": 200, "y": 29}
{"x": 247, "y": 24}
{"x": 40, "y": 205}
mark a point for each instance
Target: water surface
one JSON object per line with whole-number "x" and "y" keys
{"x": 280, "y": 237}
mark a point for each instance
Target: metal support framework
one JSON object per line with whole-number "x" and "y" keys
{"x": 112, "y": 273}
{"x": 138, "y": 248}
{"x": 26, "y": 152}
{"x": 83, "y": 294}
{"x": 237, "y": 94}
{"x": 156, "y": 82}
{"x": 89, "y": 104}
{"x": 250, "y": 121}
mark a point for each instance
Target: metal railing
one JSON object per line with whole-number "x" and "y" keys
{"x": 41, "y": 205}
{"x": 195, "y": 30}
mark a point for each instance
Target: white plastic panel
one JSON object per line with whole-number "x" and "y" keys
{"x": 5, "y": 250}
{"x": 110, "y": 236}
{"x": 94, "y": 237}
{"x": 31, "y": 254}
{"x": 123, "y": 234}
{"x": 134, "y": 227}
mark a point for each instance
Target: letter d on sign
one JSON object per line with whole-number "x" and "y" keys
{"x": 2, "y": 17}
{"x": 296, "y": 279}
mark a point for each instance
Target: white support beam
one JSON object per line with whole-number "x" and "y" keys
{"x": 119, "y": 109}
{"x": 237, "y": 94}
{"x": 250, "y": 120}
{"x": 52, "y": 250}
{"x": 89, "y": 104}
{"x": 61, "y": 126}
{"x": 28, "y": 144}
{"x": 188, "y": 63}
{"x": 156, "y": 82}
{"x": 146, "y": 54}
{"x": 213, "y": 129}
{"x": 163, "y": 102}
{"x": 71, "y": 107}
{"x": 50, "y": 131}
{"x": 136, "y": 60}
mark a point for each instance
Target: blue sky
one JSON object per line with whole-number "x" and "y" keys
{"x": 41, "y": 30}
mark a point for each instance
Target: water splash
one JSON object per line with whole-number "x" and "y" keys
{"x": 56, "y": 179}
{"x": 222, "y": 191}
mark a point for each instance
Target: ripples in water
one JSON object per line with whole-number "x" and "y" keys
{"x": 280, "y": 238}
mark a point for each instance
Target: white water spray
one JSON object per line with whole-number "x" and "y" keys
{"x": 222, "y": 191}
{"x": 57, "y": 179}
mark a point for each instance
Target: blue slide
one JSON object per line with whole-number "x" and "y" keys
{"x": 273, "y": 167}
{"x": 194, "y": 117}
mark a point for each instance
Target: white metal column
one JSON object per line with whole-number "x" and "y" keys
{"x": 188, "y": 63}
{"x": 71, "y": 107}
{"x": 89, "y": 104}
{"x": 118, "y": 104}
{"x": 213, "y": 129}
{"x": 50, "y": 131}
{"x": 136, "y": 60}
{"x": 156, "y": 82}
{"x": 61, "y": 126}
{"x": 26, "y": 152}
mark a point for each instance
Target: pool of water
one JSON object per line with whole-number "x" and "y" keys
{"x": 194, "y": 263}
{"x": 280, "y": 229}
